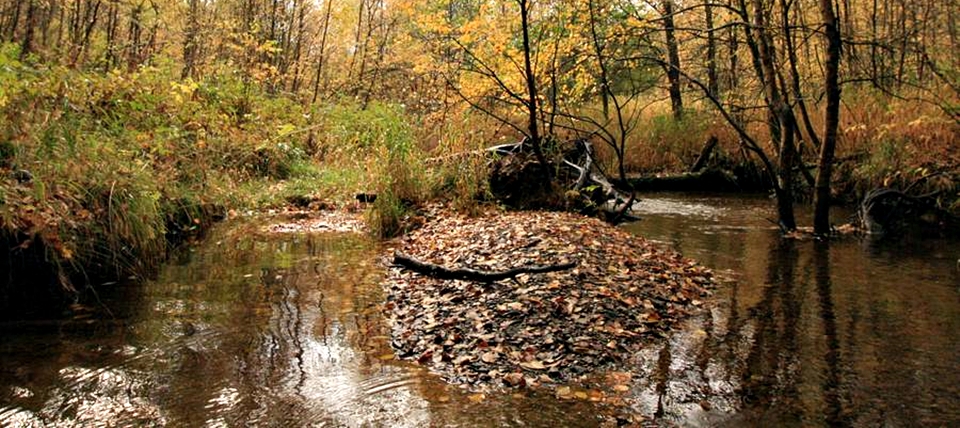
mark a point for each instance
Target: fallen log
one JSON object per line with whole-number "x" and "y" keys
{"x": 707, "y": 180}
{"x": 704, "y": 154}
{"x": 441, "y": 272}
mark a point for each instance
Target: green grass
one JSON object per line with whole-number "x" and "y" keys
{"x": 123, "y": 164}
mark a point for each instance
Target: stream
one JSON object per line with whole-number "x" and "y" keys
{"x": 265, "y": 329}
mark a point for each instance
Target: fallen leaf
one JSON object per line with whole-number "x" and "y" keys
{"x": 514, "y": 379}
{"x": 623, "y": 292}
{"x": 489, "y": 357}
{"x": 533, "y": 365}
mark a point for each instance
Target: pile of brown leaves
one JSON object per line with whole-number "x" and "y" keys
{"x": 537, "y": 328}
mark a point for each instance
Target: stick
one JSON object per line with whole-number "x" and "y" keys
{"x": 441, "y": 272}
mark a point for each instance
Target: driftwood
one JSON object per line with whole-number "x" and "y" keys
{"x": 704, "y": 154}
{"x": 441, "y": 272}
{"x": 512, "y": 183}
{"x": 585, "y": 169}
{"x": 618, "y": 204}
{"x": 506, "y": 149}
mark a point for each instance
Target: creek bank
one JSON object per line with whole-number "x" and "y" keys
{"x": 44, "y": 276}
{"x": 622, "y": 294}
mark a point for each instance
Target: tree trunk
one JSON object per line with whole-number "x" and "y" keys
{"x": 27, "y": 45}
{"x": 821, "y": 218}
{"x": 14, "y": 21}
{"x": 767, "y": 55}
{"x": 113, "y": 23}
{"x": 356, "y": 41}
{"x": 733, "y": 45}
{"x": 712, "y": 85}
{"x": 532, "y": 126}
{"x": 298, "y": 49}
{"x": 190, "y": 40}
{"x": 785, "y": 174}
{"x": 792, "y": 59}
{"x": 673, "y": 60}
{"x": 323, "y": 45}
{"x": 758, "y": 54}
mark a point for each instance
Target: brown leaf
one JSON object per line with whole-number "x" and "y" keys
{"x": 489, "y": 357}
{"x": 533, "y": 365}
{"x": 514, "y": 379}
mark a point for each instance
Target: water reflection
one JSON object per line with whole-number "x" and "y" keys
{"x": 286, "y": 331}
{"x": 809, "y": 333}
{"x": 247, "y": 329}
{"x": 832, "y": 381}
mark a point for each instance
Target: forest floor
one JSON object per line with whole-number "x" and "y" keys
{"x": 549, "y": 328}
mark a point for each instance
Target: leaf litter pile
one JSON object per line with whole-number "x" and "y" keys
{"x": 535, "y": 328}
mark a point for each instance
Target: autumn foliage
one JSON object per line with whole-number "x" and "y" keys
{"x": 126, "y": 123}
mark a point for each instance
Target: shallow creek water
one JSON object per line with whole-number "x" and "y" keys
{"x": 251, "y": 328}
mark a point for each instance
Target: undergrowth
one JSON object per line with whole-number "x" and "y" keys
{"x": 106, "y": 171}
{"x": 882, "y": 142}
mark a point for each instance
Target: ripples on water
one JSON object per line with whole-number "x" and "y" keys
{"x": 247, "y": 329}
{"x": 285, "y": 330}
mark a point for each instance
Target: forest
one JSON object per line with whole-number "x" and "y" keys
{"x": 130, "y": 127}
{"x": 164, "y": 108}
